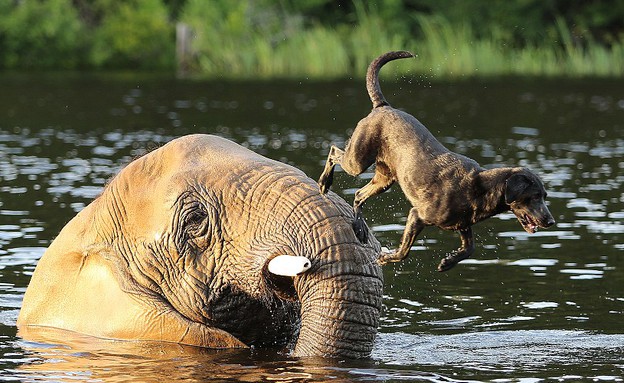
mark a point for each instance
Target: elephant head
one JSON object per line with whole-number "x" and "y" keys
{"x": 184, "y": 245}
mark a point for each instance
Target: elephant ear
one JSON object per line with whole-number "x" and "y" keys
{"x": 515, "y": 186}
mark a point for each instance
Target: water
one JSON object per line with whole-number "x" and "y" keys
{"x": 525, "y": 308}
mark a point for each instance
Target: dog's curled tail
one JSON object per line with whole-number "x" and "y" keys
{"x": 372, "y": 75}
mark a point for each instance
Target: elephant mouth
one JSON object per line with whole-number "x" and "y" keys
{"x": 282, "y": 286}
{"x": 268, "y": 322}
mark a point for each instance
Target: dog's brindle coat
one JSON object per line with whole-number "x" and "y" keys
{"x": 445, "y": 189}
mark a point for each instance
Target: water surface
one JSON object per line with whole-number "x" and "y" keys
{"x": 528, "y": 308}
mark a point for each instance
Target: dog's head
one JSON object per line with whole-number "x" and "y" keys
{"x": 525, "y": 194}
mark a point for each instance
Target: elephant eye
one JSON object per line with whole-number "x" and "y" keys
{"x": 194, "y": 220}
{"x": 192, "y": 227}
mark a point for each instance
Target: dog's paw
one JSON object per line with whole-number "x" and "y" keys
{"x": 446, "y": 264}
{"x": 453, "y": 259}
{"x": 325, "y": 181}
{"x": 323, "y": 188}
{"x": 384, "y": 255}
{"x": 384, "y": 259}
{"x": 389, "y": 256}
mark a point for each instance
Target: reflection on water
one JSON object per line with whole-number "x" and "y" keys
{"x": 546, "y": 306}
{"x": 543, "y": 353}
{"x": 121, "y": 362}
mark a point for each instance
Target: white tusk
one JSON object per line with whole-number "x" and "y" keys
{"x": 289, "y": 265}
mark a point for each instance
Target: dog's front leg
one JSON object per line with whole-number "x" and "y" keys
{"x": 413, "y": 227}
{"x": 379, "y": 184}
{"x": 327, "y": 177}
{"x": 465, "y": 251}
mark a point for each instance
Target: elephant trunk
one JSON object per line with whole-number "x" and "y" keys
{"x": 340, "y": 309}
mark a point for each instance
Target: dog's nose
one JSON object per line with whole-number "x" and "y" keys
{"x": 550, "y": 222}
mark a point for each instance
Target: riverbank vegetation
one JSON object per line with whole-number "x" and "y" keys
{"x": 316, "y": 38}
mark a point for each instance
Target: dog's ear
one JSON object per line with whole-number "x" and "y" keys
{"x": 514, "y": 186}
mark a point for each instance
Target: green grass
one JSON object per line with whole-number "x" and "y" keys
{"x": 443, "y": 51}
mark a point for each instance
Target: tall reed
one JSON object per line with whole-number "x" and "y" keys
{"x": 233, "y": 45}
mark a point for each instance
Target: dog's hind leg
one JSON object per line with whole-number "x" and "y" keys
{"x": 465, "y": 251}
{"x": 327, "y": 177}
{"x": 413, "y": 227}
{"x": 379, "y": 184}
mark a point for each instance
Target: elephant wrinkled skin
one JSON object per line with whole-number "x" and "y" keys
{"x": 176, "y": 249}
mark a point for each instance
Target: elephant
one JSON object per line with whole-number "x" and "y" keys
{"x": 203, "y": 242}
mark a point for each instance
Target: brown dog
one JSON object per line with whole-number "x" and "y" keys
{"x": 446, "y": 189}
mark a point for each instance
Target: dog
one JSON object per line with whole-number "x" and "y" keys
{"x": 445, "y": 189}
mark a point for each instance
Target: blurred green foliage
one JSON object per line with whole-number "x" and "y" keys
{"x": 66, "y": 34}
{"x": 316, "y": 38}
{"x": 133, "y": 34}
{"x": 41, "y": 34}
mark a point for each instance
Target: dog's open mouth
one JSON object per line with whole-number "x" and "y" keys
{"x": 529, "y": 224}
